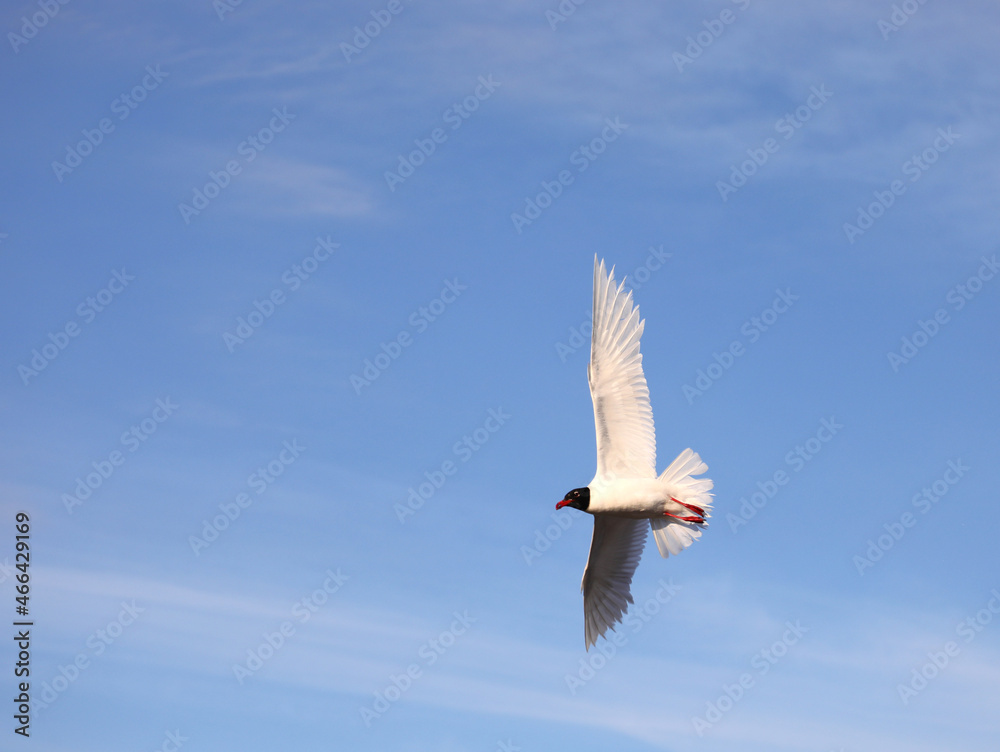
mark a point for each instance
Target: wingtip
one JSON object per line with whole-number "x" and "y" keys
{"x": 600, "y": 271}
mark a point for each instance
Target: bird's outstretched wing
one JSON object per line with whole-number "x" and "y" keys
{"x": 626, "y": 441}
{"x": 614, "y": 554}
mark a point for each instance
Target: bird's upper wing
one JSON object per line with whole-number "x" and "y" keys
{"x": 614, "y": 554}
{"x": 626, "y": 442}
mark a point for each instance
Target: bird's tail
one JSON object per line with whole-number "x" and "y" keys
{"x": 673, "y": 535}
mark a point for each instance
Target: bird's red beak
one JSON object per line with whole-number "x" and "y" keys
{"x": 563, "y": 503}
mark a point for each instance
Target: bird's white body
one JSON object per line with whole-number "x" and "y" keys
{"x": 626, "y": 491}
{"x": 635, "y": 498}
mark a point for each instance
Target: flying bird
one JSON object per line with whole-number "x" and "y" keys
{"x": 626, "y": 491}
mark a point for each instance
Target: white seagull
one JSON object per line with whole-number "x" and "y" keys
{"x": 626, "y": 490}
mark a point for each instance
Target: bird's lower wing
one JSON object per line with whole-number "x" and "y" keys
{"x": 614, "y": 554}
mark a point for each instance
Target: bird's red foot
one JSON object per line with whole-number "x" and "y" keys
{"x": 699, "y": 520}
{"x": 696, "y": 509}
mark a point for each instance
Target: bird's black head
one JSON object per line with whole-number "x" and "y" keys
{"x": 578, "y": 498}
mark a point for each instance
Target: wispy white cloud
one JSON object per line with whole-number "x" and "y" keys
{"x": 294, "y": 188}
{"x": 646, "y": 693}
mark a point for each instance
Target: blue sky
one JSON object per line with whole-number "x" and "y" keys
{"x": 268, "y": 275}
